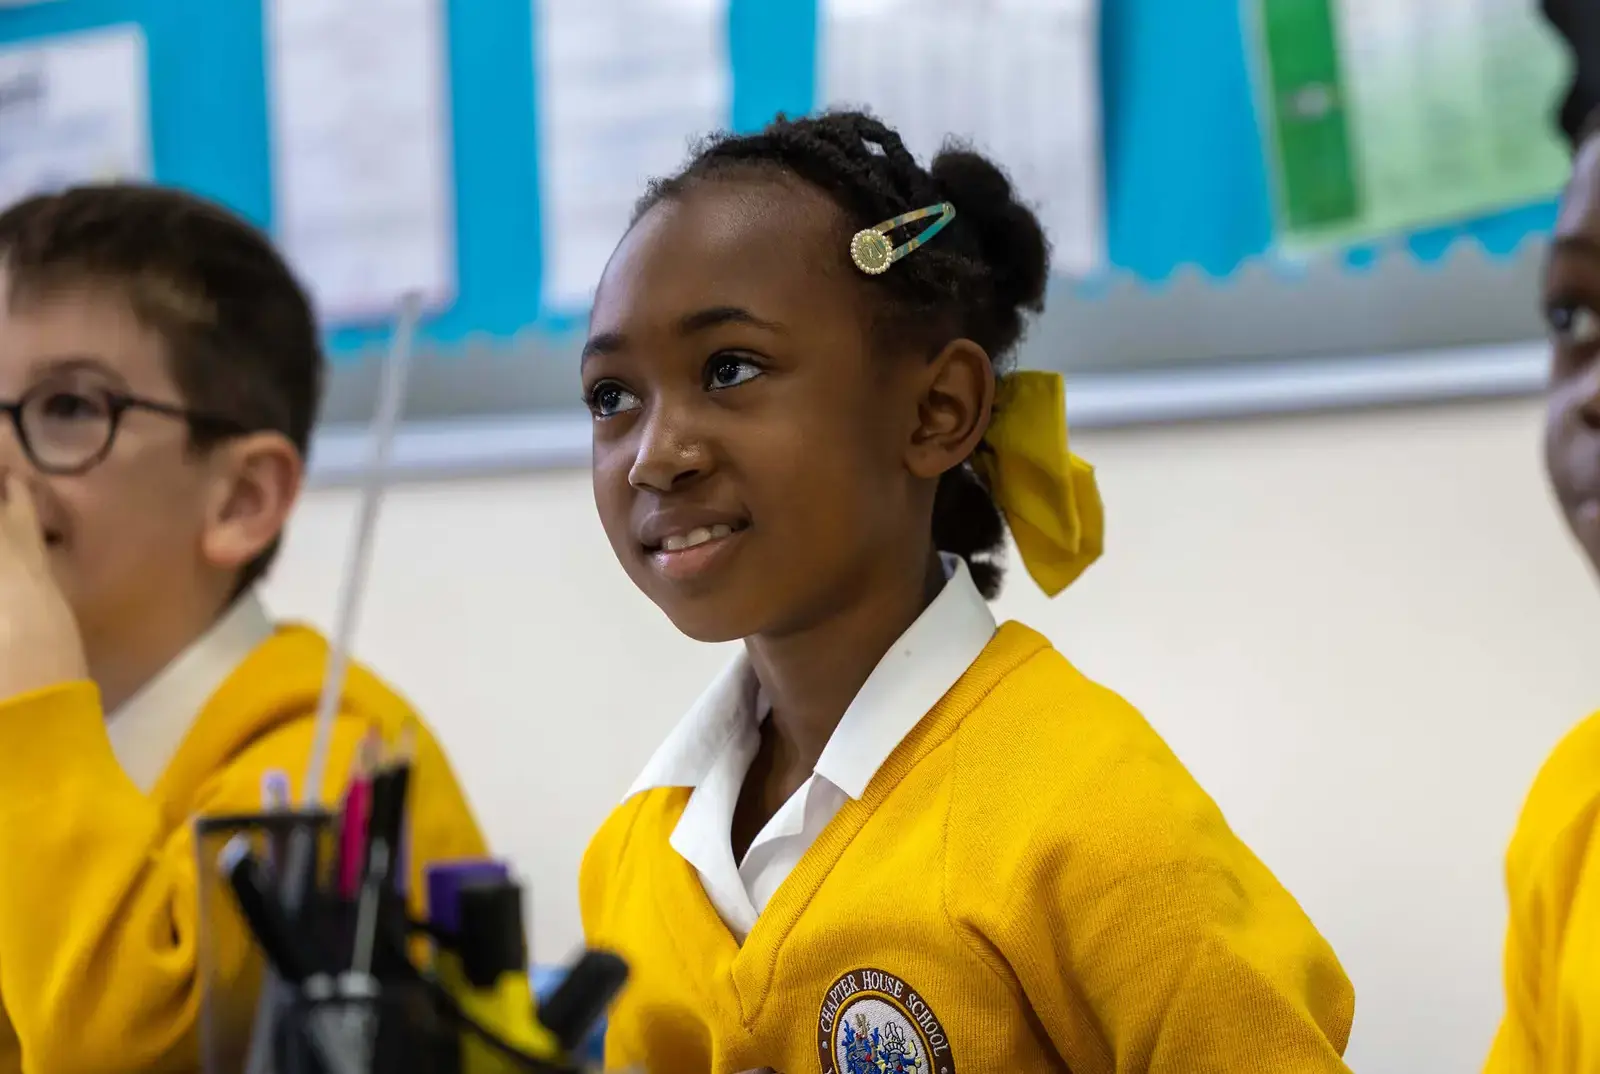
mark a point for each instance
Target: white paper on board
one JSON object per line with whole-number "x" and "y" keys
{"x": 624, "y": 89}
{"x": 1017, "y": 79}
{"x": 73, "y": 109}
{"x": 363, "y": 196}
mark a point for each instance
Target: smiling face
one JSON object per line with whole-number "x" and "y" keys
{"x": 146, "y": 540}
{"x": 129, "y": 527}
{"x": 749, "y": 446}
{"x": 1572, "y": 305}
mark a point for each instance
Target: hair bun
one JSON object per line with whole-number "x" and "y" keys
{"x": 1009, "y": 236}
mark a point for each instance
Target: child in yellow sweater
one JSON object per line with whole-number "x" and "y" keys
{"x": 893, "y": 835}
{"x": 160, "y": 371}
{"x": 1552, "y": 947}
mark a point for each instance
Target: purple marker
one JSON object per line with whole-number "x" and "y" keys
{"x": 445, "y": 881}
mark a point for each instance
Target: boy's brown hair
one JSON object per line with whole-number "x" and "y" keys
{"x": 240, "y": 333}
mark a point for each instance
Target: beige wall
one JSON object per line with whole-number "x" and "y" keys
{"x": 1362, "y": 632}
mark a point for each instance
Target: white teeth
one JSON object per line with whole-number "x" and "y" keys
{"x": 680, "y": 541}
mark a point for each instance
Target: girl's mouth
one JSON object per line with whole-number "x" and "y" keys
{"x": 683, "y": 556}
{"x": 682, "y": 542}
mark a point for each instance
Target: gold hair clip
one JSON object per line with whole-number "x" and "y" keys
{"x": 870, "y": 248}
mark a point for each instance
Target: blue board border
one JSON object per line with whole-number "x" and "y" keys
{"x": 1186, "y": 183}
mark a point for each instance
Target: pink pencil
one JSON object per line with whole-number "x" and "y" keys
{"x": 357, "y": 813}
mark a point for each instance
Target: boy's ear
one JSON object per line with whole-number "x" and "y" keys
{"x": 256, "y": 480}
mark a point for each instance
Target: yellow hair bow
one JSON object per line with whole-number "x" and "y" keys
{"x": 1048, "y": 494}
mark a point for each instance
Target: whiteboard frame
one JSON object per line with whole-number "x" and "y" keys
{"x": 458, "y": 448}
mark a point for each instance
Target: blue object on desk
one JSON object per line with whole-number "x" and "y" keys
{"x": 545, "y": 980}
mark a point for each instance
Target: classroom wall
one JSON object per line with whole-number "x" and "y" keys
{"x": 1362, "y": 632}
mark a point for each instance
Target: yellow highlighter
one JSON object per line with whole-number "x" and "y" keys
{"x": 481, "y": 959}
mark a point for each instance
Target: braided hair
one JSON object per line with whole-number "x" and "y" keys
{"x": 1578, "y": 23}
{"x": 978, "y": 280}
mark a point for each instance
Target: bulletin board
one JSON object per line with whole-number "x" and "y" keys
{"x": 1194, "y": 316}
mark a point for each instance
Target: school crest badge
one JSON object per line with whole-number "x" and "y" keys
{"x": 872, "y": 1022}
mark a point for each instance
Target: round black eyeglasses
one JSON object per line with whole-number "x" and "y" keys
{"x": 66, "y": 431}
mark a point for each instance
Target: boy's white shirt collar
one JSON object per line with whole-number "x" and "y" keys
{"x": 147, "y": 729}
{"x": 711, "y": 749}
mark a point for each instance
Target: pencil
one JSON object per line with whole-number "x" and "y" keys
{"x": 358, "y": 815}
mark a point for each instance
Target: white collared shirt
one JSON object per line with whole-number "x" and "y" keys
{"x": 147, "y": 729}
{"x": 712, "y": 748}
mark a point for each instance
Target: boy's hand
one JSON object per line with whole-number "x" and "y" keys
{"x": 39, "y": 641}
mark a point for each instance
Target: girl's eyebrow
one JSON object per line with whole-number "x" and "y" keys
{"x": 716, "y": 316}
{"x": 604, "y": 343}
{"x": 1578, "y": 245}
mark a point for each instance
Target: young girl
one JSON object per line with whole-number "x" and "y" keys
{"x": 1552, "y": 960}
{"x": 892, "y": 837}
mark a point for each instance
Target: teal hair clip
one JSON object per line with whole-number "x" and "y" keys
{"x": 870, "y": 248}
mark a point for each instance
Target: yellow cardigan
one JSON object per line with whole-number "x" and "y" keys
{"x": 1032, "y": 882}
{"x": 98, "y": 902}
{"x": 1552, "y": 950}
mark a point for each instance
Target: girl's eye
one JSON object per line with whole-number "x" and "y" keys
{"x": 1574, "y": 324}
{"x": 608, "y": 399}
{"x": 730, "y": 371}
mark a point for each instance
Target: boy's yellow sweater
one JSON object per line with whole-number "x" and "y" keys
{"x": 1032, "y": 882}
{"x": 1552, "y": 951}
{"x": 99, "y": 900}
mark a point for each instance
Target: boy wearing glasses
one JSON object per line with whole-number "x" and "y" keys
{"x": 160, "y": 371}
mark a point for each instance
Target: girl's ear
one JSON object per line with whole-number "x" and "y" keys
{"x": 955, "y": 398}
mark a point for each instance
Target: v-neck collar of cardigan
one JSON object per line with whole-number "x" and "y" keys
{"x": 750, "y": 966}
